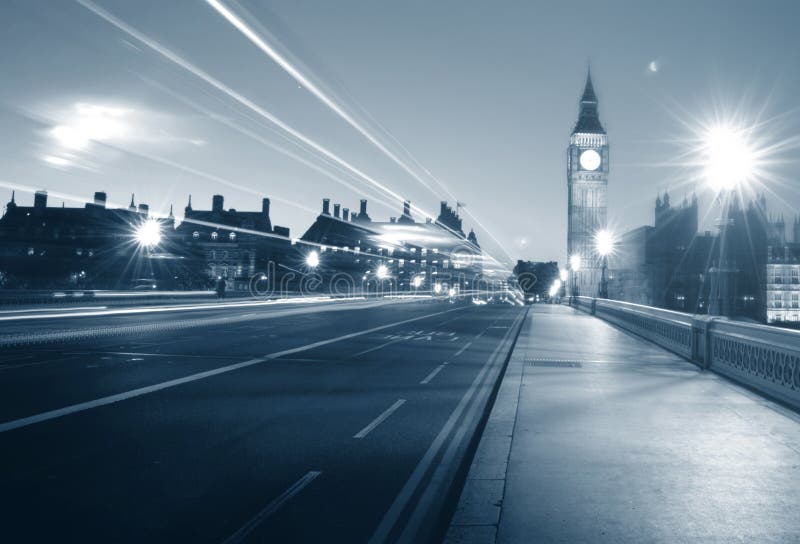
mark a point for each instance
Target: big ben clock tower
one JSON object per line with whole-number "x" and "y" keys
{"x": 587, "y": 183}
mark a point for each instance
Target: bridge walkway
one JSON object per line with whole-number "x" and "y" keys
{"x": 600, "y": 436}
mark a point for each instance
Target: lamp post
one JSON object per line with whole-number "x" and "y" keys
{"x": 729, "y": 161}
{"x": 575, "y": 266}
{"x": 604, "y": 244}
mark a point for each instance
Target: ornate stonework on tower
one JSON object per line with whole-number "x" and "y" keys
{"x": 587, "y": 183}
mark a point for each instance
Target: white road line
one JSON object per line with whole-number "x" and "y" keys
{"x": 390, "y": 342}
{"x": 404, "y": 497}
{"x": 459, "y": 352}
{"x": 82, "y": 406}
{"x": 271, "y": 508}
{"x": 435, "y": 371}
{"x": 378, "y": 420}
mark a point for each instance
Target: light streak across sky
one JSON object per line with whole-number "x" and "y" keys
{"x": 331, "y": 103}
{"x": 246, "y": 102}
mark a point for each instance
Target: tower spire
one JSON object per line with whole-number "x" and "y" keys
{"x": 132, "y": 205}
{"x": 589, "y": 95}
{"x": 588, "y": 118}
{"x": 170, "y": 211}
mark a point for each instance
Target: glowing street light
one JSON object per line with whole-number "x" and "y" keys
{"x": 382, "y": 272}
{"x": 312, "y": 259}
{"x": 148, "y": 234}
{"x": 416, "y": 282}
{"x": 562, "y": 274}
{"x": 728, "y": 157}
{"x": 575, "y": 265}
{"x": 729, "y": 161}
{"x": 604, "y": 243}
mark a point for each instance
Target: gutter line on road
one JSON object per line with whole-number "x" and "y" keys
{"x": 403, "y": 498}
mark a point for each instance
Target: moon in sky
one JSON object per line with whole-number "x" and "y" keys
{"x": 653, "y": 66}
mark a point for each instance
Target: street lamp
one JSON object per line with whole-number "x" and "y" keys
{"x": 575, "y": 265}
{"x": 729, "y": 161}
{"x": 604, "y": 244}
{"x": 148, "y": 234}
{"x": 312, "y": 259}
{"x": 382, "y": 272}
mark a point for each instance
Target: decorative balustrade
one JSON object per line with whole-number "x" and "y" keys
{"x": 764, "y": 358}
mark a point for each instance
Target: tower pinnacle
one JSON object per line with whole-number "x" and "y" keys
{"x": 588, "y": 118}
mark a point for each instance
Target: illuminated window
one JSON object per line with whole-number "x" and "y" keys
{"x": 232, "y": 236}
{"x": 30, "y": 251}
{"x": 195, "y": 235}
{"x": 214, "y": 235}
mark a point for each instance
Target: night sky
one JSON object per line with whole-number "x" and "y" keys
{"x": 481, "y": 95}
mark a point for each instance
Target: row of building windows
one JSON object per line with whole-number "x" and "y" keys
{"x": 783, "y": 274}
{"x": 784, "y": 300}
{"x": 377, "y": 250}
{"x": 215, "y": 236}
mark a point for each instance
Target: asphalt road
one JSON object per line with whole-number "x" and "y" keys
{"x": 340, "y": 422}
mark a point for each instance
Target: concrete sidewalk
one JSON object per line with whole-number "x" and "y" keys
{"x": 599, "y": 436}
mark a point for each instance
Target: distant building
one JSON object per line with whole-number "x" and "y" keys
{"x": 587, "y": 185}
{"x": 782, "y": 289}
{"x": 671, "y": 266}
{"x": 535, "y": 278}
{"x": 631, "y": 267}
{"x": 231, "y": 244}
{"x": 93, "y": 246}
{"x": 414, "y": 255}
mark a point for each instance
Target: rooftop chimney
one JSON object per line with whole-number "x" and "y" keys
{"x": 217, "y": 203}
{"x": 265, "y": 206}
{"x": 336, "y": 211}
{"x": 363, "y": 210}
{"x": 443, "y": 207}
{"x": 326, "y": 206}
{"x": 100, "y": 199}
{"x": 40, "y": 200}
{"x": 346, "y": 214}
{"x": 407, "y": 208}
{"x": 144, "y": 209}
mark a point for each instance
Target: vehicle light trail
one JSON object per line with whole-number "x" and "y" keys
{"x": 246, "y": 102}
{"x": 298, "y": 76}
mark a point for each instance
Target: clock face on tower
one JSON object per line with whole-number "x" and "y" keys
{"x": 590, "y": 159}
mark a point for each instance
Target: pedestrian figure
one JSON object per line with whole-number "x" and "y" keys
{"x": 220, "y": 288}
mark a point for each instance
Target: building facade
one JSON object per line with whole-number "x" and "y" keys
{"x": 232, "y": 245}
{"x": 45, "y": 246}
{"x": 412, "y": 255}
{"x": 587, "y": 185}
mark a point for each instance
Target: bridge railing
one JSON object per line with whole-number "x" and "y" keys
{"x": 761, "y": 357}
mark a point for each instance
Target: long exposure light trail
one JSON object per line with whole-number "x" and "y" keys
{"x": 293, "y": 71}
{"x": 235, "y": 95}
{"x": 272, "y": 145}
{"x": 307, "y": 83}
{"x": 238, "y": 97}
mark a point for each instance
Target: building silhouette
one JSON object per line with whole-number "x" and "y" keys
{"x": 230, "y": 244}
{"x": 45, "y": 246}
{"x": 430, "y": 251}
{"x": 587, "y": 183}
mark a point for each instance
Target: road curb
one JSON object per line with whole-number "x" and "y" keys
{"x": 479, "y": 500}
